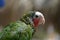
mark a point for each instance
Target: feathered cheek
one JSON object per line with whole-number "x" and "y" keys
{"x": 2, "y": 3}
{"x": 36, "y": 22}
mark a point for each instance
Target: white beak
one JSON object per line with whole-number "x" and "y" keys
{"x": 43, "y": 21}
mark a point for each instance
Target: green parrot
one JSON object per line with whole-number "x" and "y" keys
{"x": 24, "y": 28}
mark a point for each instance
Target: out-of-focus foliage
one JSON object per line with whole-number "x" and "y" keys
{"x": 13, "y": 10}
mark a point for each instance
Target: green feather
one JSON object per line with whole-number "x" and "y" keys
{"x": 16, "y": 31}
{"x": 19, "y": 30}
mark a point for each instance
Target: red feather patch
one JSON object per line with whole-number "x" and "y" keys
{"x": 36, "y": 22}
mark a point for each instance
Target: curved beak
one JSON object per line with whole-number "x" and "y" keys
{"x": 43, "y": 20}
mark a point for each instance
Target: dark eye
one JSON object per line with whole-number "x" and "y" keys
{"x": 36, "y": 16}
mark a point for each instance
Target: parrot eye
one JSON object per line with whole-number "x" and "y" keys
{"x": 36, "y": 16}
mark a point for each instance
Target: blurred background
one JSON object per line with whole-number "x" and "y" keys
{"x": 14, "y": 9}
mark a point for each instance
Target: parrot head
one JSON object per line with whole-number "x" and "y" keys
{"x": 38, "y": 19}
{"x": 35, "y": 18}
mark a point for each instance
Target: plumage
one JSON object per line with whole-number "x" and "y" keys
{"x": 16, "y": 31}
{"x": 19, "y": 30}
{"x": 22, "y": 29}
